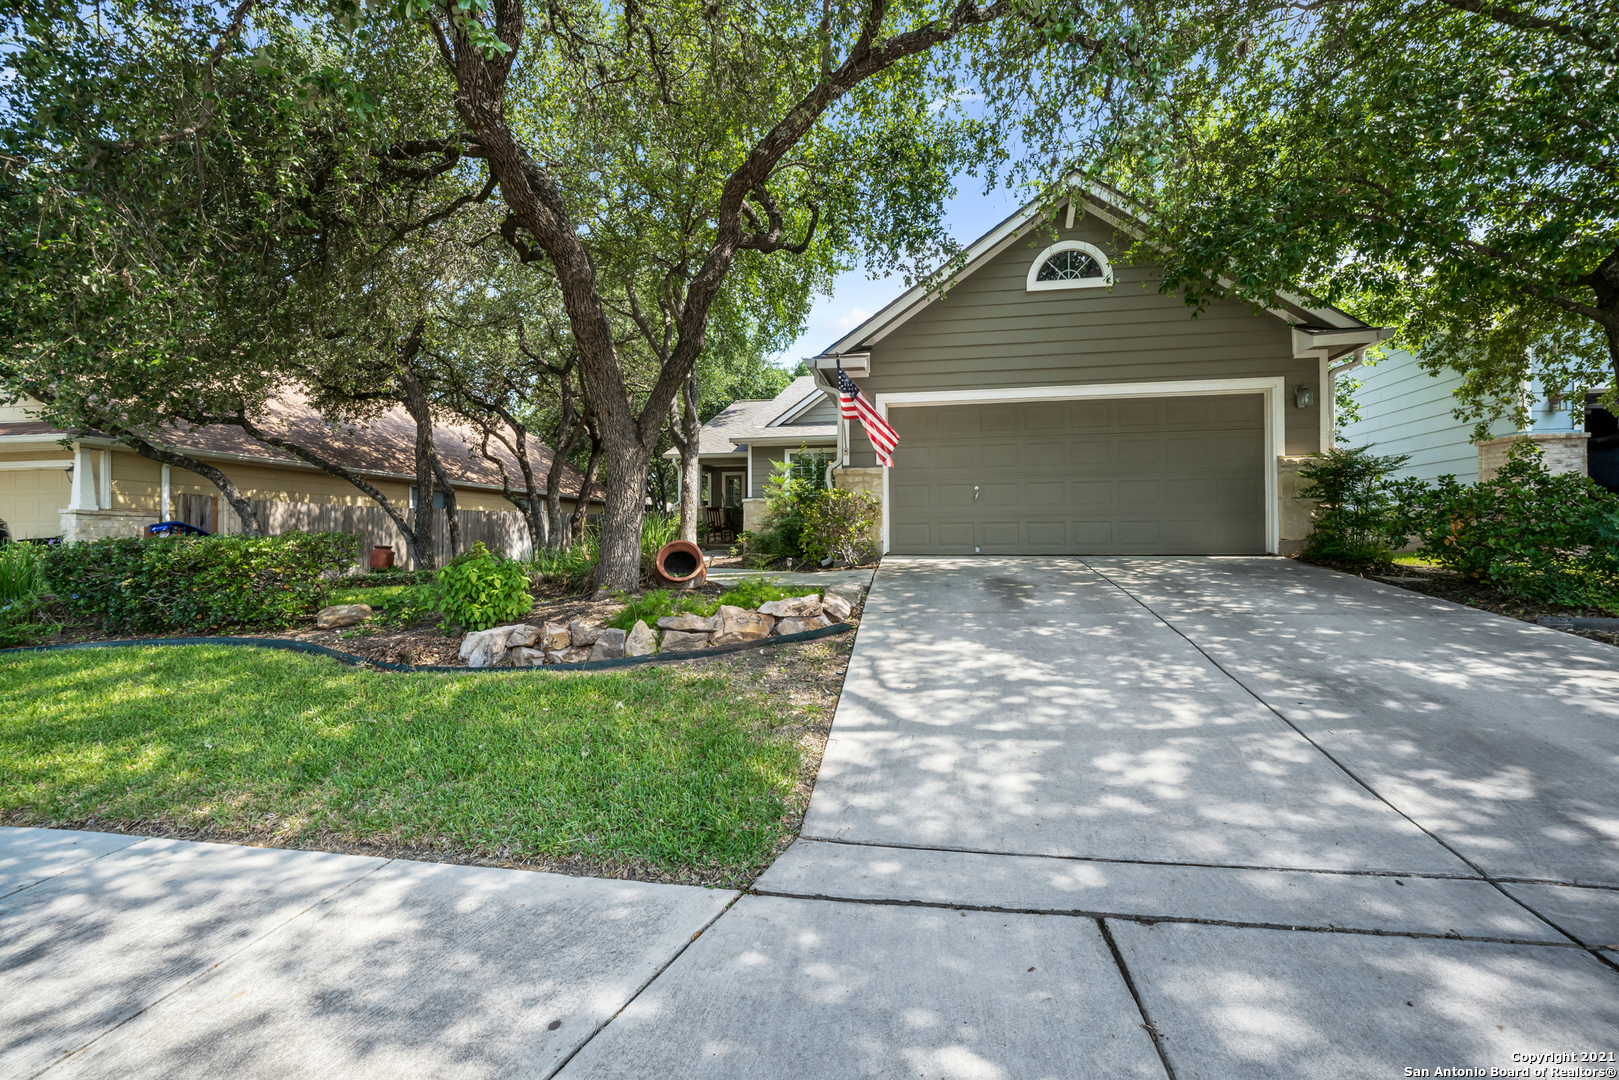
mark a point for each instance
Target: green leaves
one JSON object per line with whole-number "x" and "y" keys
{"x": 479, "y": 589}
{"x": 1444, "y": 172}
{"x": 200, "y": 584}
{"x": 1357, "y": 517}
{"x": 1541, "y": 536}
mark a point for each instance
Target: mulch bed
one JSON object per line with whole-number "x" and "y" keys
{"x": 1458, "y": 588}
{"x": 419, "y": 644}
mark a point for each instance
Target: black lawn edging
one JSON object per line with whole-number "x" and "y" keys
{"x": 383, "y": 665}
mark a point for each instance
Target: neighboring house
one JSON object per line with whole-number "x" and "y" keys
{"x": 740, "y": 446}
{"x": 94, "y": 487}
{"x": 1052, "y": 401}
{"x": 1406, "y": 410}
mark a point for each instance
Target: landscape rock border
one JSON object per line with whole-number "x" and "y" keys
{"x": 289, "y": 645}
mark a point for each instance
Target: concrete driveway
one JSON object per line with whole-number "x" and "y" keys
{"x": 1158, "y": 818}
{"x": 1226, "y": 818}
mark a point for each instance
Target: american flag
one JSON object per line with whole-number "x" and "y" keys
{"x": 854, "y": 406}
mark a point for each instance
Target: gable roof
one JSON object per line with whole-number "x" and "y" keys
{"x": 768, "y": 420}
{"x": 1313, "y": 327}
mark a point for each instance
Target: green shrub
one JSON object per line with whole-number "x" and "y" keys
{"x": 839, "y": 524}
{"x": 199, "y": 583}
{"x": 22, "y": 571}
{"x": 479, "y": 589}
{"x": 1357, "y": 517}
{"x": 1532, "y": 534}
{"x": 788, "y": 501}
{"x": 572, "y": 567}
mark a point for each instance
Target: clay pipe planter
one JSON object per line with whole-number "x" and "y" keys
{"x": 680, "y": 565}
{"x": 382, "y": 557}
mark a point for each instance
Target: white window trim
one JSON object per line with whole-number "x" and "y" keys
{"x": 828, "y": 452}
{"x": 1273, "y": 389}
{"x": 1105, "y": 281}
{"x": 725, "y": 475}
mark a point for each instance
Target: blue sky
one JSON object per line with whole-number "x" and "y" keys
{"x": 855, "y": 296}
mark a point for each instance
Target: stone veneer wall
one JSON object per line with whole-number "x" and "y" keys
{"x": 869, "y": 480}
{"x": 1563, "y": 452}
{"x": 100, "y": 524}
{"x": 753, "y": 514}
{"x": 1297, "y": 516}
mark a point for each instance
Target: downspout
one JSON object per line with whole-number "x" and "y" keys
{"x": 1330, "y": 391}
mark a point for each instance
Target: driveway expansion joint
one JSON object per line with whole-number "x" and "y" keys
{"x": 1429, "y": 874}
{"x": 1141, "y": 1006}
{"x": 639, "y": 990}
{"x": 1153, "y": 920}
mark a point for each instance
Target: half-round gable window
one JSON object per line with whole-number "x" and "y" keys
{"x": 1070, "y": 264}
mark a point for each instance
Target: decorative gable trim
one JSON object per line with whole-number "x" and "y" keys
{"x": 1104, "y": 203}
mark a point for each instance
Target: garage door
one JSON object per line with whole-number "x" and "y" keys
{"x": 1160, "y": 476}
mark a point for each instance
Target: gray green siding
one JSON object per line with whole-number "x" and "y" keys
{"x": 763, "y": 458}
{"x": 990, "y": 332}
{"x": 823, "y": 412}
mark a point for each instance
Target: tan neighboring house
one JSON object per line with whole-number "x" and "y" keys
{"x": 83, "y": 485}
{"x": 1052, "y": 401}
{"x": 740, "y": 446}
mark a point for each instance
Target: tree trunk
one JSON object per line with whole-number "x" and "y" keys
{"x": 691, "y": 471}
{"x": 691, "y": 492}
{"x": 620, "y": 558}
{"x": 251, "y": 525}
{"x": 576, "y": 524}
{"x": 428, "y": 467}
{"x": 530, "y": 505}
{"x": 452, "y": 512}
{"x": 1604, "y": 281}
{"x": 567, "y": 434}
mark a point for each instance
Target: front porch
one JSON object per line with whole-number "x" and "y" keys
{"x": 724, "y": 489}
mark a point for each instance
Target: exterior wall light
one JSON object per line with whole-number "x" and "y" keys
{"x": 1303, "y": 397}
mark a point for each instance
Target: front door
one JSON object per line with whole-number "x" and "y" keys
{"x": 732, "y": 491}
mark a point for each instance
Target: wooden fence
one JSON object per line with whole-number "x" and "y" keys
{"x": 500, "y": 530}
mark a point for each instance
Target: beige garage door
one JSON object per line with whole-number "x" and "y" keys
{"x": 1160, "y": 476}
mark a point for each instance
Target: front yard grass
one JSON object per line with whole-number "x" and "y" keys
{"x": 693, "y": 773}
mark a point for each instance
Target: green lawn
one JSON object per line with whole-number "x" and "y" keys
{"x": 675, "y": 768}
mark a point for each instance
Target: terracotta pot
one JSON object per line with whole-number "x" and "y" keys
{"x": 680, "y": 564}
{"x": 382, "y": 557}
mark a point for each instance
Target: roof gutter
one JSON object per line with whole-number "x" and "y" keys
{"x": 1331, "y": 343}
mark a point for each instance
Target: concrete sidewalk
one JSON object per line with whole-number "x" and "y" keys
{"x": 130, "y": 957}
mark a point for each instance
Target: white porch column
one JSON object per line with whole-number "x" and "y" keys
{"x": 104, "y": 499}
{"x": 164, "y": 498}
{"x": 82, "y": 493}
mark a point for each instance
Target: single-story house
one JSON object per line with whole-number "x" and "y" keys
{"x": 739, "y": 447}
{"x": 1406, "y": 410}
{"x": 84, "y": 485}
{"x": 1050, "y": 400}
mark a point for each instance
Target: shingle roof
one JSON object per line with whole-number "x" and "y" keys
{"x": 743, "y": 422}
{"x": 386, "y": 444}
